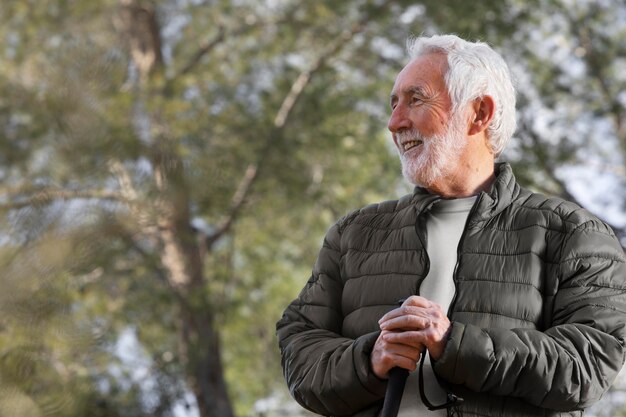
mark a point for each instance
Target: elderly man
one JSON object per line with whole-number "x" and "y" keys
{"x": 517, "y": 301}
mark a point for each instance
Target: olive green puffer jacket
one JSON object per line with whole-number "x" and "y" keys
{"x": 538, "y": 318}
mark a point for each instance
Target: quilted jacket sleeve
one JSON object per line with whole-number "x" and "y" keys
{"x": 572, "y": 363}
{"x": 326, "y": 373}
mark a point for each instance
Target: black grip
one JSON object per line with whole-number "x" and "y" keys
{"x": 395, "y": 389}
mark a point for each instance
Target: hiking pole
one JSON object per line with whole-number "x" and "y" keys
{"x": 395, "y": 388}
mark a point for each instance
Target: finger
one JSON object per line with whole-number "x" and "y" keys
{"x": 406, "y": 363}
{"x": 409, "y": 338}
{"x": 406, "y": 322}
{"x": 386, "y": 355}
{"x": 417, "y": 301}
{"x": 423, "y": 303}
{"x": 402, "y": 311}
{"x": 399, "y": 362}
{"x": 399, "y": 349}
{"x": 386, "y": 360}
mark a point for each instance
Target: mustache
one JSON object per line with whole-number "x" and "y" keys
{"x": 408, "y": 135}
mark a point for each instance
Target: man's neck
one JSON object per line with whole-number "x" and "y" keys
{"x": 465, "y": 182}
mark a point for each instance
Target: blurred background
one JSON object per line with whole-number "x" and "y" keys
{"x": 168, "y": 170}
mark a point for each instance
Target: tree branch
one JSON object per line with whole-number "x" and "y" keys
{"x": 597, "y": 70}
{"x": 236, "y": 204}
{"x": 222, "y": 33}
{"x": 202, "y": 51}
{"x": 280, "y": 121}
{"x": 135, "y": 244}
{"x": 304, "y": 77}
{"x": 124, "y": 179}
{"x": 48, "y": 196}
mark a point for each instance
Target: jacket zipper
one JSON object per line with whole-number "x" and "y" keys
{"x": 458, "y": 254}
{"x": 420, "y": 226}
{"x": 451, "y": 412}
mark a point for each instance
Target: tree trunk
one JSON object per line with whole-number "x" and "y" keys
{"x": 198, "y": 337}
{"x": 205, "y": 373}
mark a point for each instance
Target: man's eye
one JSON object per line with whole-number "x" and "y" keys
{"x": 416, "y": 99}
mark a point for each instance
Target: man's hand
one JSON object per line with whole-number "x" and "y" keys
{"x": 418, "y": 323}
{"x": 387, "y": 355}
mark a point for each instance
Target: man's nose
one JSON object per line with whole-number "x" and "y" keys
{"x": 399, "y": 120}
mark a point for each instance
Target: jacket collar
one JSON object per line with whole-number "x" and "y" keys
{"x": 488, "y": 204}
{"x": 501, "y": 194}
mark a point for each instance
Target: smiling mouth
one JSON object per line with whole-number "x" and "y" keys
{"x": 406, "y": 146}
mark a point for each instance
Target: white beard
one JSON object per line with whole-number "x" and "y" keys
{"x": 439, "y": 155}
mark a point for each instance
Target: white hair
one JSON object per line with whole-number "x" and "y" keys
{"x": 474, "y": 70}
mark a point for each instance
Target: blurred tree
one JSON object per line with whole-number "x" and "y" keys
{"x": 162, "y": 129}
{"x": 167, "y": 170}
{"x": 572, "y": 138}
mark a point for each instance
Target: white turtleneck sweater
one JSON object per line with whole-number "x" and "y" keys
{"x": 444, "y": 226}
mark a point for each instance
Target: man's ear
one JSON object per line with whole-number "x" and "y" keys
{"x": 484, "y": 108}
